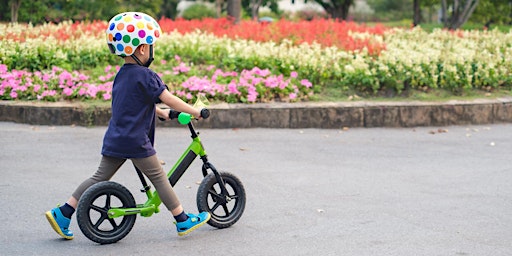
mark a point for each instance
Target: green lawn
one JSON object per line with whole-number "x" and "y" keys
{"x": 432, "y": 26}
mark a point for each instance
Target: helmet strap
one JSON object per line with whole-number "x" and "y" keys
{"x": 151, "y": 56}
{"x": 137, "y": 59}
{"x": 150, "y": 60}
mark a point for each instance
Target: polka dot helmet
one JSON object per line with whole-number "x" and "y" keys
{"x": 126, "y": 31}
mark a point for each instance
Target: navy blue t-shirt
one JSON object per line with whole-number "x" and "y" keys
{"x": 131, "y": 130}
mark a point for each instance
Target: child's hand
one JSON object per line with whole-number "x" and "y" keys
{"x": 163, "y": 114}
{"x": 197, "y": 114}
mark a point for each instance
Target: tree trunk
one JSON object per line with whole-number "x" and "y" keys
{"x": 336, "y": 9}
{"x": 15, "y": 7}
{"x": 417, "y": 13}
{"x": 336, "y": 14}
{"x": 466, "y": 13}
{"x": 168, "y": 9}
{"x": 460, "y": 12}
{"x": 443, "y": 13}
{"x": 234, "y": 10}
{"x": 255, "y": 7}
{"x": 344, "y": 8}
{"x": 218, "y": 7}
{"x": 510, "y": 15}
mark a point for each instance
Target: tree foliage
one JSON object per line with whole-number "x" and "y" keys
{"x": 198, "y": 11}
{"x": 493, "y": 12}
{"x": 57, "y": 10}
{"x": 454, "y": 12}
{"x": 392, "y": 9}
{"x": 252, "y": 7}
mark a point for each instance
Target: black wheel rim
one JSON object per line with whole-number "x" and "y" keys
{"x": 224, "y": 208}
{"x": 98, "y": 219}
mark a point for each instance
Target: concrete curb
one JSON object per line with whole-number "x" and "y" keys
{"x": 286, "y": 115}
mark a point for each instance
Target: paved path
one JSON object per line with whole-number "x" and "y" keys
{"x": 377, "y": 191}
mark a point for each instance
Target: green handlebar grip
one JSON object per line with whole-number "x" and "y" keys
{"x": 184, "y": 118}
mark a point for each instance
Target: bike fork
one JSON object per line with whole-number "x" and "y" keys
{"x": 207, "y": 165}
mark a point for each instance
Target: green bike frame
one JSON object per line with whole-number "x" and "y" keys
{"x": 151, "y": 206}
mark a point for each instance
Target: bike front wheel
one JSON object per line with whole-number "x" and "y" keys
{"x": 225, "y": 208}
{"x": 92, "y": 217}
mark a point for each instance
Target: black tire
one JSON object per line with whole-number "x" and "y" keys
{"x": 224, "y": 213}
{"x": 93, "y": 206}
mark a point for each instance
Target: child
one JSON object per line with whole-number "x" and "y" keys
{"x": 130, "y": 133}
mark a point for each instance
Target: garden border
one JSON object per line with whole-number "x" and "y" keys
{"x": 325, "y": 115}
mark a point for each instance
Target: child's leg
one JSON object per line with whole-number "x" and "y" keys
{"x": 185, "y": 223}
{"x": 108, "y": 167}
{"x": 60, "y": 217}
{"x": 152, "y": 168}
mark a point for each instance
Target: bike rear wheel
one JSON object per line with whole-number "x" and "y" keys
{"x": 225, "y": 209}
{"x": 93, "y": 207}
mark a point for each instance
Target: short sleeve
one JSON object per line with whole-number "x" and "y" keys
{"x": 155, "y": 87}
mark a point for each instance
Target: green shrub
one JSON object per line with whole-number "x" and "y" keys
{"x": 198, "y": 11}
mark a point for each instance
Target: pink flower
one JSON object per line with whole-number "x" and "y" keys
{"x": 260, "y": 72}
{"x": 107, "y": 96}
{"x": 232, "y": 88}
{"x": 257, "y": 80}
{"x": 108, "y": 68}
{"x": 82, "y": 77}
{"x": 46, "y": 78}
{"x": 293, "y": 74}
{"x": 67, "y": 91}
{"x": 47, "y": 93}
{"x": 251, "y": 97}
{"x": 176, "y": 57}
{"x": 182, "y": 68}
{"x": 163, "y": 62}
{"x": 306, "y": 83}
{"x": 22, "y": 88}
{"x": 92, "y": 91}
{"x": 3, "y": 68}
{"x": 56, "y": 69}
{"x": 271, "y": 82}
{"x": 293, "y": 96}
{"x": 13, "y": 94}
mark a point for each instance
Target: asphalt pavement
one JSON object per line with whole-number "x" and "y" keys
{"x": 358, "y": 191}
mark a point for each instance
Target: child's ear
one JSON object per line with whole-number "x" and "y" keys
{"x": 141, "y": 49}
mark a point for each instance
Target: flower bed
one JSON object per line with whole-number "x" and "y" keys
{"x": 253, "y": 62}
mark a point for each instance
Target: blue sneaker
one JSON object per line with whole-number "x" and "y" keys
{"x": 193, "y": 222}
{"x": 59, "y": 223}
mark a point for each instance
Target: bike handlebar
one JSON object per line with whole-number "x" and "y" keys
{"x": 184, "y": 118}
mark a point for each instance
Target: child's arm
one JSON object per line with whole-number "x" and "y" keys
{"x": 177, "y": 104}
